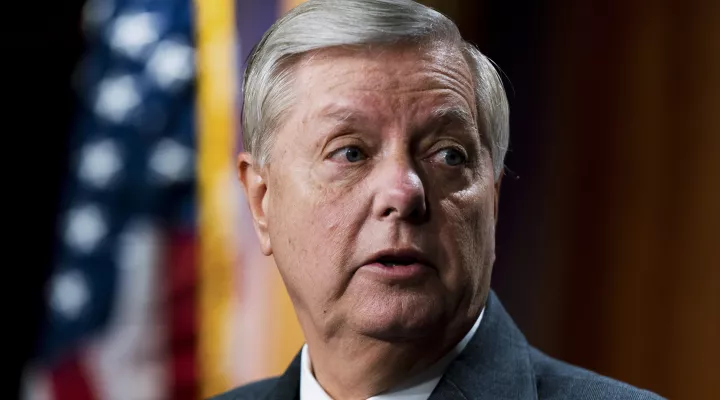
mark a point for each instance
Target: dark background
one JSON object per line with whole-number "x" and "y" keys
{"x": 607, "y": 242}
{"x": 40, "y": 46}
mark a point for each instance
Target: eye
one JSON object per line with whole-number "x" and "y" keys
{"x": 351, "y": 154}
{"x": 450, "y": 156}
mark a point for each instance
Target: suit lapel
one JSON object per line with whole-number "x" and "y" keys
{"x": 494, "y": 365}
{"x": 287, "y": 386}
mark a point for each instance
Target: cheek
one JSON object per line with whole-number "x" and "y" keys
{"x": 468, "y": 235}
{"x": 313, "y": 230}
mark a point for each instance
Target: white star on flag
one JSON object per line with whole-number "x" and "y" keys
{"x": 132, "y": 34}
{"x": 171, "y": 160}
{"x": 100, "y": 163}
{"x": 117, "y": 97}
{"x": 69, "y": 294}
{"x": 85, "y": 228}
{"x": 171, "y": 64}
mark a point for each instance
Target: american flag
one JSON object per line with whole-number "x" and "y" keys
{"x": 159, "y": 290}
{"x": 121, "y": 297}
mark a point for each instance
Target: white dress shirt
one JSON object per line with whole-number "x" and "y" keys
{"x": 419, "y": 388}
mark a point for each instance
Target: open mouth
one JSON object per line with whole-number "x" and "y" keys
{"x": 396, "y": 261}
{"x": 398, "y": 267}
{"x": 398, "y": 264}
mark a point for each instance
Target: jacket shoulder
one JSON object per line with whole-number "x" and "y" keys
{"x": 251, "y": 391}
{"x": 558, "y": 380}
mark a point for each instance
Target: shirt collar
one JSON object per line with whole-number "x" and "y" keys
{"x": 418, "y": 388}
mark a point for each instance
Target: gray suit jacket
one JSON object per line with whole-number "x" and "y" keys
{"x": 497, "y": 364}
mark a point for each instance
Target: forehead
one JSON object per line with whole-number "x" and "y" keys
{"x": 383, "y": 81}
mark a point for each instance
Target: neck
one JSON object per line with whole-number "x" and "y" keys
{"x": 354, "y": 366}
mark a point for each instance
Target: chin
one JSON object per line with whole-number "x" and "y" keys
{"x": 399, "y": 316}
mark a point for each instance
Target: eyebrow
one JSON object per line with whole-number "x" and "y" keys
{"x": 439, "y": 118}
{"x": 342, "y": 114}
{"x": 448, "y": 116}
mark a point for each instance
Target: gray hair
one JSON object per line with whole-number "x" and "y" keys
{"x": 319, "y": 24}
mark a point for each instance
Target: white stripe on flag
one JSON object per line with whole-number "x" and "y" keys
{"x": 129, "y": 361}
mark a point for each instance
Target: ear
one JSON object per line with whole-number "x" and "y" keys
{"x": 254, "y": 183}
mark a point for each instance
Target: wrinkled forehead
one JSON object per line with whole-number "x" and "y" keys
{"x": 383, "y": 81}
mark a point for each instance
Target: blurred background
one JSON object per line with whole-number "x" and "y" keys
{"x": 142, "y": 278}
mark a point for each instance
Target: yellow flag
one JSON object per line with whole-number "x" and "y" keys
{"x": 247, "y": 326}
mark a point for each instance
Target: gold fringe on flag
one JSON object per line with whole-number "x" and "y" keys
{"x": 216, "y": 132}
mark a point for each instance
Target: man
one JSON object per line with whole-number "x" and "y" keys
{"x": 374, "y": 143}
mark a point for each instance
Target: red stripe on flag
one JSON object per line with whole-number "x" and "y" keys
{"x": 181, "y": 271}
{"x": 69, "y": 380}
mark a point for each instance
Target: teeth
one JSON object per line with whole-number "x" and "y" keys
{"x": 390, "y": 264}
{"x": 395, "y": 263}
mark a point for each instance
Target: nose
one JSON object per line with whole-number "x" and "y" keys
{"x": 400, "y": 194}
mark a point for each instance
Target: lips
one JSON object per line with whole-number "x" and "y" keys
{"x": 399, "y": 257}
{"x": 398, "y": 265}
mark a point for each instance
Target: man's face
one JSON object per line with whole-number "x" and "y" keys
{"x": 379, "y": 199}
